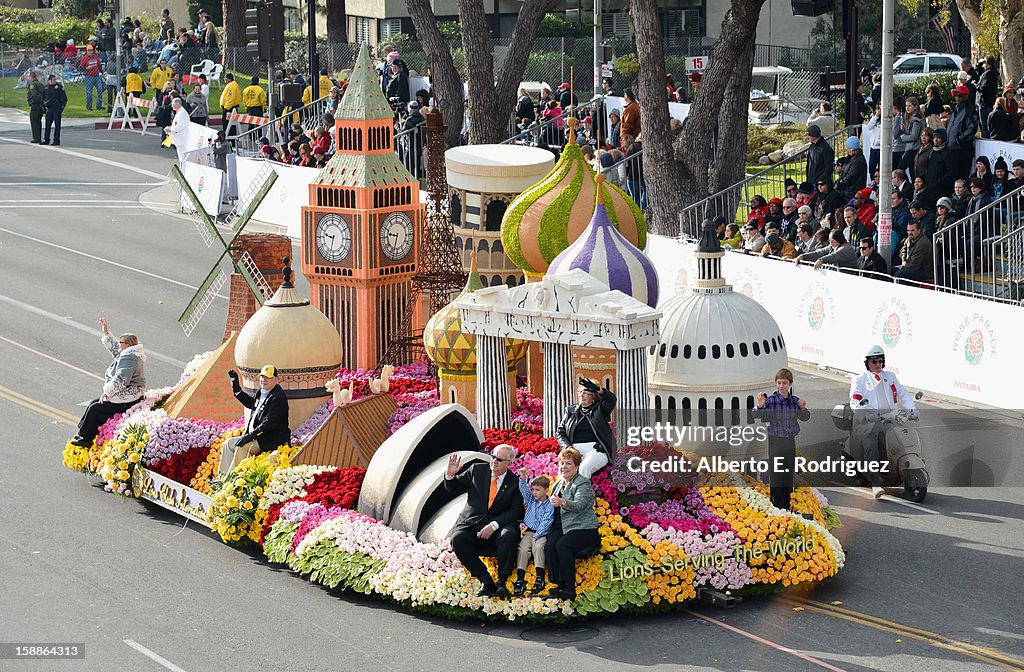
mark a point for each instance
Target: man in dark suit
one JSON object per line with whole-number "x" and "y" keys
{"x": 489, "y": 525}
{"x": 267, "y": 428}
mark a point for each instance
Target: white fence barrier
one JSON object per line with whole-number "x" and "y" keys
{"x": 951, "y": 345}
{"x": 289, "y": 193}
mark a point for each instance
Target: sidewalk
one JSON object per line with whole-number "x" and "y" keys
{"x": 12, "y": 119}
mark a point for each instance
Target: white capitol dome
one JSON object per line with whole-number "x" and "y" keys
{"x": 718, "y": 348}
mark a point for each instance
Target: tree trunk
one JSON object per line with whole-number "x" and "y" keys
{"x": 444, "y": 78}
{"x": 493, "y": 99}
{"x": 1011, "y": 40}
{"x": 234, "y": 23}
{"x": 970, "y": 12}
{"x": 337, "y": 22}
{"x": 676, "y": 164}
{"x": 730, "y": 145}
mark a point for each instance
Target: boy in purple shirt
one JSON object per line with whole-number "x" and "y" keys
{"x": 536, "y": 523}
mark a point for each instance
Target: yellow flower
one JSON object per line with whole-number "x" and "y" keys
{"x": 247, "y": 505}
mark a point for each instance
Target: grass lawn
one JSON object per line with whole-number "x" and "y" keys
{"x": 12, "y": 97}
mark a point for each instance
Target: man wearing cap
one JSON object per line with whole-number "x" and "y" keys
{"x": 777, "y": 246}
{"x": 161, "y": 73}
{"x": 255, "y": 99}
{"x": 398, "y": 80}
{"x": 804, "y": 193}
{"x": 820, "y": 156}
{"x": 267, "y": 426}
{"x": 790, "y": 219}
{"x": 961, "y": 129}
{"x": 586, "y": 426}
{"x": 827, "y": 200}
{"x": 36, "y": 96}
{"x": 567, "y": 98}
{"x": 90, "y": 66}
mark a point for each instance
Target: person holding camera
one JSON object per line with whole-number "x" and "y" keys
{"x": 267, "y": 426}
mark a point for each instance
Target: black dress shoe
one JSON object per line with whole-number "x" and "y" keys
{"x": 80, "y": 442}
{"x": 502, "y": 592}
{"x": 519, "y": 589}
{"x": 55, "y": 144}
{"x": 487, "y": 590}
{"x": 45, "y": 142}
{"x": 564, "y": 594}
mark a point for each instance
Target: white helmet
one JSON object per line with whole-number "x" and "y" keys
{"x": 873, "y": 351}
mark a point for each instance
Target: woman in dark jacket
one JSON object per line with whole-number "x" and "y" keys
{"x": 1000, "y": 124}
{"x": 585, "y": 427}
{"x": 525, "y": 109}
{"x": 983, "y": 171}
{"x": 854, "y": 174}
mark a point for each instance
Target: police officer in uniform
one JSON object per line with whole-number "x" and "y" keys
{"x": 55, "y": 99}
{"x": 36, "y": 106}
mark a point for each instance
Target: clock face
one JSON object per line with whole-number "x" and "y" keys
{"x": 396, "y": 235}
{"x": 333, "y": 237}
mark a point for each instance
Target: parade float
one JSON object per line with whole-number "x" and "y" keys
{"x": 356, "y": 501}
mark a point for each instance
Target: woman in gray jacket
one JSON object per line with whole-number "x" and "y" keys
{"x": 123, "y": 385}
{"x": 573, "y": 532}
{"x": 910, "y": 135}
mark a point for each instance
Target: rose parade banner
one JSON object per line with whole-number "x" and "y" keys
{"x": 947, "y": 344}
{"x": 207, "y": 183}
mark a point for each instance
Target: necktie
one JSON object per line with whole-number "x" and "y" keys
{"x": 494, "y": 491}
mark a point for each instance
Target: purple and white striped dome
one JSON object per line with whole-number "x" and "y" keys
{"x": 607, "y": 255}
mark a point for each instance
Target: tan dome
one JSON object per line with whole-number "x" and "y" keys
{"x": 290, "y": 334}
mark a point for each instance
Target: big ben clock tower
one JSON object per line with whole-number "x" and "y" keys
{"x": 361, "y": 229}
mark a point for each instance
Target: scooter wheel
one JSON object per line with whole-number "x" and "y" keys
{"x": 915, "y": 494}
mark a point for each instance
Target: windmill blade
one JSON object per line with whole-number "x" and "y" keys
{"x": 253, "y": 277}
{"x": 202, "y": 299}
{"x": 207, "y": 229}
{"x": 248, "y": 202}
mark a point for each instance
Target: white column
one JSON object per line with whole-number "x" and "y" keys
{"x": 493, "y": 406}
{"x": 559, "y": 386}
{"x": 633, "y": 400}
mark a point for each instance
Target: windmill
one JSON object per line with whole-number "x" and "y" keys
{"x": 237, "y": 219}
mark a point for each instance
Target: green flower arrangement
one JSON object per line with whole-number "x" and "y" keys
{"x": 612, "y": 595}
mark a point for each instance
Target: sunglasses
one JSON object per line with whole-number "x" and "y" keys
{"x": 500, "y": 459}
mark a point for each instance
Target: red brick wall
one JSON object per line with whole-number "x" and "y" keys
{"x": 268, "y": 250}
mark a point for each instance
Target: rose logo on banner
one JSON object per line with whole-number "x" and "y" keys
{"x": 974, "y": 347}
{"x": 682, "y": 278}
{"x": 202, "y": 183}
{"x": 816, "y": 307}
{"x": 816, "y": 313}
{"x": 747, "y": 283}
{"x": 892, "y": 322}
{"x": 975, "y": 338}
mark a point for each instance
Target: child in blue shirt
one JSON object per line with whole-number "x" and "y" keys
{"x": 536, "y": 523}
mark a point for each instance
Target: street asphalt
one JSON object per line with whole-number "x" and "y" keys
{"x": 87, "y": 231}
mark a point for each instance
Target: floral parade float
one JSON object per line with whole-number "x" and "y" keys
{"x": 355, "y": 501}
{"x": 664, "y": 540}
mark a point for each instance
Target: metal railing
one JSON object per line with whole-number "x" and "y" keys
{"x": 768, "y": 183}
{"x": 247, "y": 143}
{"x": 983, "y": 253}
{"x": 410, "y": 147}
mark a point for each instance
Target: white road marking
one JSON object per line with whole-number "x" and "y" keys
{"x": 82, "y": 184}
{"x": 63, "y": 200}
{"x": 105, "y": 261}
{"x": 153, "y": 656}
{"x": 863, "y": 492}
{"x": 74, "y": 206}
{"x": 67, "y": 321}
{"x": 96, "y": 159}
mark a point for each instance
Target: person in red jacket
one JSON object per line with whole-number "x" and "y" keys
{"x": 90, "y": 65}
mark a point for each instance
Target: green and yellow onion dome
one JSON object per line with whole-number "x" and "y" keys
{"x": 549, "y": 216}
{"x": 454, "y": 352}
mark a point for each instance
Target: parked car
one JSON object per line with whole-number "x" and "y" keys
{"x": 917, "y": 64}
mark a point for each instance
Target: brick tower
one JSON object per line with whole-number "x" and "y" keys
{"x": 267, "y": 250}
{"x": 361, "y": 229}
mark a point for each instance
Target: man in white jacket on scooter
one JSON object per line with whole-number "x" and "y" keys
{"x": 873, "y": 392}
